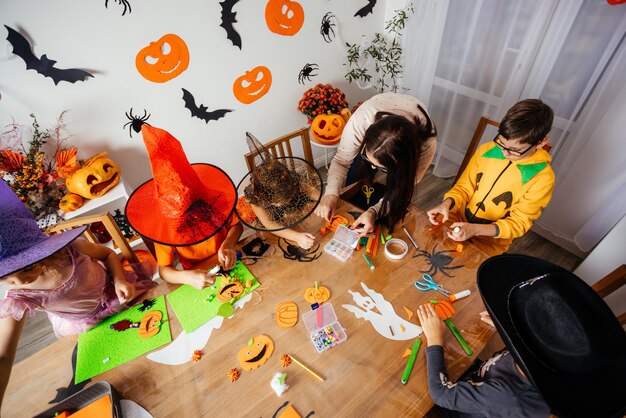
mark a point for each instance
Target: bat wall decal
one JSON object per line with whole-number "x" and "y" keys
{"x": 367, "y": 9}
{"x": 228, "y": 18}
{"x": 43, "y": 65}
{"x": 201, "y": 111}
{"x": 124, "y": 3}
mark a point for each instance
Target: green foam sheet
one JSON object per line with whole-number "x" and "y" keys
{"x": 101, "y": 343}
{"x": 192, "y": 307}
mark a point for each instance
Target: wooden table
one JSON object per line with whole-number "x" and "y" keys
{"x": 362, "y": 374}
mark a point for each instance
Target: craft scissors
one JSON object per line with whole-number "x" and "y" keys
{"x": 367, "y": 191}
{"x": 429, "y": 284}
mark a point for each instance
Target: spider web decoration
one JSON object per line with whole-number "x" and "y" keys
{"x": 438, "y": 261}
{"x": 287, "y": 189}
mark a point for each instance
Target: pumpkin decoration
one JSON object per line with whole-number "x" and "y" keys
{"x": 150, "y": 324}
{"x": 159, "y": 66}
{"x": 284, "y": 17}
{"x": 229, "y": 291}
{"x": 253, "y": 85}
{"x": 317, "y": 294}
{"x": 256, "y": 352}
{"x": 97, "y": 176}
{"x": 285, "y": 360}
{"x": 327, "y": 129}
{"x": 70, "y": 202}
{"x": 335, "y": 221}
{"x": 444, "y": 309}
{"x": 286, "y": 314}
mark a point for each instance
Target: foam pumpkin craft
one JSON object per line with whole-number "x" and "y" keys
{"x": 284, "y": 17}
{"x": 229, "y": 291}
{"x": 286, "y": 314}
{"x": 97, "y": 176}
{"x": 164, "y": 59}
{"x": 316, "y": 294}
{"x": 253, "y": 85}
{"x": 256, "y": 352}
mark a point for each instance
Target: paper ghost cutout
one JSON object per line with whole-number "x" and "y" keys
{"x": 228, "y": 18}
{"x": 387, "y": 323}
{"x": 367, "y": 9}
{"x": 201, "y": 112}
{"x": 44, "y": 65}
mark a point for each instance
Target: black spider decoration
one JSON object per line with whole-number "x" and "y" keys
{"x": 146, "y": 305}
{"x": 438, "y": 261}
{"x": 124, "y": 3}
{"x": 135, "y": 122}
{"x": 307, "y": 72}
{"x": 121, "y": 222}
{"x": 294, "y": 252}
{"x": 328, "y": 23}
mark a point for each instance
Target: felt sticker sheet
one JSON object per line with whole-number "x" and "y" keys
{"x": 103, "y": 348}
{"x": 195, "y": 308}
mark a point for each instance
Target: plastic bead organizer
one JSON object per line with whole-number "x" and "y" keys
{"x": 342, "y": 245}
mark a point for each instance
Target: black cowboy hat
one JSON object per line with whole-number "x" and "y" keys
{"x": 563, "y": 336}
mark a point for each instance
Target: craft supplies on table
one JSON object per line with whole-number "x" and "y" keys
{"x": 410, "y": 238}
{"x": 396, "y": 249}
{"x": 329, "y": 332}
{"x": 342, "y": 245}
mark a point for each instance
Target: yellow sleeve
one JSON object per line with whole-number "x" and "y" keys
{"x": 164, "y": 254}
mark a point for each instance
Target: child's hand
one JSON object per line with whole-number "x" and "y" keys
{"x": 227, "y": 257}
{"x": 305, "y": 240}
{"x": 486, "y": 318}
{"x": 364, "y": 223}
{"x": 439, "y": 213}
{"x": 431, "y": 324}
{"x": 198, "y": 278}
{"x": 464, "y": 231}
{"x": 124, "y": 291}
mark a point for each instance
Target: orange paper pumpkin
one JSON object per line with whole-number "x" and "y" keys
{"x": 70, "y": 202}
{"x": 253, "y": 85}
{"x": 327, "y": 129}
{"x": 150, "y": 324}
{"x": 444, "y": 309}
{"x": 256, "y": 353}
{"x": 229, "y": 291}
{"x": 164, "y": 59}
{"x": 286, "y": 314}
{"x": 319, "y": 294}
{"x": 97, "y": 176}
{"x": 284, "y": 17}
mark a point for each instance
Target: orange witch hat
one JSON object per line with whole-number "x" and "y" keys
{"x": 184, "y": 203}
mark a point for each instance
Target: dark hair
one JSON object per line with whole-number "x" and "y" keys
{"x": 396, "y": 142}
{"x": 528, "y": 121}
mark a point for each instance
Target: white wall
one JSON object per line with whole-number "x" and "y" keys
{"x": 86, "y": 35}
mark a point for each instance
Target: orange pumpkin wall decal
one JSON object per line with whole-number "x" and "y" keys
{"x": 256, "y": 353}
{"x": 286, "y": 314}
{"x": 284, "y": 17}
{"x": 253, "y": 85}
{"x": 97, "y": 176}
{"x": 164, "y": 59}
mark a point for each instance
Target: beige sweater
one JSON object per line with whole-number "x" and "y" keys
{"x": 353, "y": 134}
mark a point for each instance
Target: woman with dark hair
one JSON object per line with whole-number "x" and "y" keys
{"x": 390, "y": 133}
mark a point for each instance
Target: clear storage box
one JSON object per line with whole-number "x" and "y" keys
{"x": 324, "y": 330}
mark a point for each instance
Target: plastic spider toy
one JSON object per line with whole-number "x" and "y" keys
{"x": 135, "y": 122}
{"x": 327, "y": 27}
{"x": 294, "y": 252}
{"x": 307, "y": 72}
{"x": 438, "y": 261}
{"x": 146, "y": 305}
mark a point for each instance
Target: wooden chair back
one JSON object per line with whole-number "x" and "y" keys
{"x": 610, "y": 283}
{"x": 109, "y": 224}
{"x": 281, "y": 147}
{"x": 478, "y": 135}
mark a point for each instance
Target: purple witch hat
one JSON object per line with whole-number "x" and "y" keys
{"x": 21, "y": 241}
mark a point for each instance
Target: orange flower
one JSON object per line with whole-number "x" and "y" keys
{"x": 11, "y": 161}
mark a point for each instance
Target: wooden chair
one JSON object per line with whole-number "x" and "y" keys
{"x": 610, "y": 283}
{"x": 111, "y": 227}
{"x": 281, "y": 147}
{"x": 478, "y": 135}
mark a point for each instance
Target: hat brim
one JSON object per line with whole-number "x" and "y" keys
{"x": 38, "y": 251}
{"x": 300, "y": 166}
{"x": 144, "y": 215}
{"x": 597, "y": 391}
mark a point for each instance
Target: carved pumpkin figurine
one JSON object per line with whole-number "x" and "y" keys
{"x": 284, "y": 17}
{"x": 327, "y": 129}
{"x": 150, "y": 324}
{"x": 286, "y": 314}
{"x": 256, "y": 353}
{"x": 70, "y": 202}
{"x": 97, "y": 176}
{"x": 229, "y": 291}
{"x": 253, "y": 85}
{"x": 158, "y": 66}
{"x": 317, "y": 294}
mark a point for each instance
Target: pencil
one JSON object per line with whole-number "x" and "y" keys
{"x": 317, "y": 376}
{"x": 410, "y": 238}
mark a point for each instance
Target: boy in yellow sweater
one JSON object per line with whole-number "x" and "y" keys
{"x": 506, "y": 185}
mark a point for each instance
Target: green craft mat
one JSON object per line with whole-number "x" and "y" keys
{"x": 102, "y": 342}
{"x": 192, "y": 307}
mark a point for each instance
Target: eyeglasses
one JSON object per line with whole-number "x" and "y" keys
{"x": 374, "y": 166}
{"x": 513, "y": 152}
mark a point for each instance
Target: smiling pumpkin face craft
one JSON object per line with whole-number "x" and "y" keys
{"x": 253, "y": 85}
{"x": 164, "y": 59}
{"x": 97, "y": 176}
{"x": 284, "y": 17}
{"x": 256, "y": 353}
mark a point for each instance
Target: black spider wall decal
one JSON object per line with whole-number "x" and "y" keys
{"x": 123, "y": 224}
{"x": 438, "y": 261}
{"x": 146, "y": 305}
{"x": 326, "y": 30}
{"x": 124, "y": 3}
{"x": 294, "y": 252}
{"x": 307, "y": 72}
{"x": 135, "y": 122}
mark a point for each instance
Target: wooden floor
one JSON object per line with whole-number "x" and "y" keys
{"x": 38, "y": 331}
